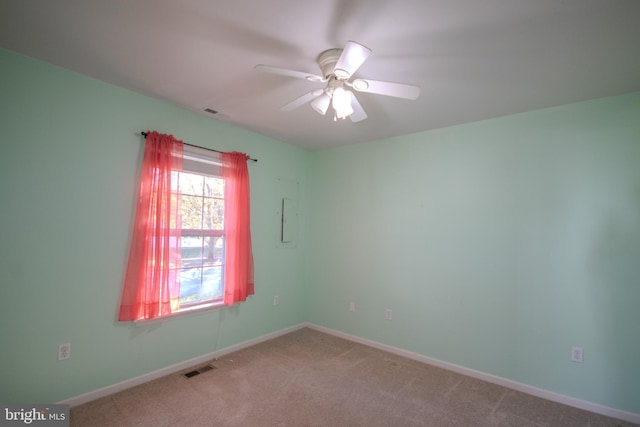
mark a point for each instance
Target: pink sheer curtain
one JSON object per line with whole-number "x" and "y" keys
{"x": 151, "y": 288}
{"x": 238, "y": 277}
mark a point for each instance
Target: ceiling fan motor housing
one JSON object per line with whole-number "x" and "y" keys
{"x": 327, "y": 61}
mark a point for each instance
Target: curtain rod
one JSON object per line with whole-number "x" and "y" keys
{"x": 143, "y": 133}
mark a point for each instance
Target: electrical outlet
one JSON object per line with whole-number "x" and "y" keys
{"x": 352, "y": 307}
{"x": 388, "y": 314}
{"x": 64, "y": 351}
{"x": 577, "y": 354}
{"x": 276, "y": 300}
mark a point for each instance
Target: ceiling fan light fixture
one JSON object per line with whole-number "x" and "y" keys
{"x": 337, "y": 67}
{"x": 321, "y": 103}
{"x": 341, "y": 103}
{"x": 344, "y": 113}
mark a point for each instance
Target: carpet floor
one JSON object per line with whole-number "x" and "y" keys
{"x": 308, "y": 378}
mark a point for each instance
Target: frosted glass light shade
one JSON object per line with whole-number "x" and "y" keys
{"x": 342, "y": 103}
{"x": 321, "y": 103}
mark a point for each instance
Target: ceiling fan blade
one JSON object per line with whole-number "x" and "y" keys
{"x": 399, "y": 90}
{"x": 352, "y": 57}
{"x": 289, "y": 73}
{"x": 302, "y": 100}
{"x": 358, "y": 112}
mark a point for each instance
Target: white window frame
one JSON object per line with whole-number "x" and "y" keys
{"x": 203, "y": 162}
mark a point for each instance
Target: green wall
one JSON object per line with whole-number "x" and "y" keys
{"x": 69, "y": 159}
{"x": 498, "y": 245}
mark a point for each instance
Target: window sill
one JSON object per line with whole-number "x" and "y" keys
{"x": 183, "y": 312}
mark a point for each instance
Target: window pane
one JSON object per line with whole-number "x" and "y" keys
{"x": 190, "y": 285}
{"x": 211, "y": 283}
{"x": 191, "y": 183}
{"x": 191, "y": 250}
{"x": 174, "y": 181}
{"x": 174, "y": 209}
{"x": 213, "y": 187}
{"x": 213, "y": 253}
{"x": 200, "y": 284}
{"x": 213, "y": 214}
{"x": 191, "y": 212}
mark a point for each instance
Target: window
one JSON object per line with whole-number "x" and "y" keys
{"x": 200, "y": 199}
{"x": 191, "y": 242}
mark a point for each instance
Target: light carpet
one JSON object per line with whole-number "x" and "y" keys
{"x": 309, "y": 378}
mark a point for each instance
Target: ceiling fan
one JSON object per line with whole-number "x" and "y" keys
{"x": 338, "y": 66}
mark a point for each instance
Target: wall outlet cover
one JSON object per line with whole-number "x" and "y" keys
{"x": 64, "y": 351}
{"x": 577, "y": 354}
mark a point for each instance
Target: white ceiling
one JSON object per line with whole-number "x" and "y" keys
{"x": 473, "y": 59}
